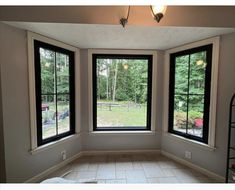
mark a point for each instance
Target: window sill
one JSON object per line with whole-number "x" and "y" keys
{"x": 52, "y": 144}
{"x": 190, "y": 141}
{"x": 122, "y": 133}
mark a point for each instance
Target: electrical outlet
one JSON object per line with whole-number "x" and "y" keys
{"x": 188, "y": 154}
{"x": 63, "y": 154}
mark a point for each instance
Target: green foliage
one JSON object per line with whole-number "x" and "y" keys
{"x": 131, "y": 82}
{"x": 195, "y": 115}
{"x": 180, "y": 119}
{"x": 190, "y": 72}
{"x": 53, "y": 73}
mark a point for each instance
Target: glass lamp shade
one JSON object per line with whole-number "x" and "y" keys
{"x": 158, "y": 11}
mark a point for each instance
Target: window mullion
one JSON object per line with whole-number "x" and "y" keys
{"x": 55, "y": 74}
{"x": 188, "y": 94}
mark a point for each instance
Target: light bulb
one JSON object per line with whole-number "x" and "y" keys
{"x": 159, "y": 9}
{"x": 125, "y": 66}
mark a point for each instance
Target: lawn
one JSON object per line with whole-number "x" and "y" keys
{"x": 121, "y": 115}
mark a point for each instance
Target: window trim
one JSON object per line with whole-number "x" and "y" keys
{"x": 213, "y": 96}
{"x": 149, "y": 91}
{"x": 32, "y": 93}
{"x": 208, "y": 48}
{"x": 37, "y": 46}
{"x": 153, "y": 126}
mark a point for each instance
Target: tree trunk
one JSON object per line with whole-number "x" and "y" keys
{"x": 98, "y": 86}
{"x": 115, "y": 81}
{"x": 107, "y": 81}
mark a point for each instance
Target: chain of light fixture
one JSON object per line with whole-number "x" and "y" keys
{"x": 156, "y": 10}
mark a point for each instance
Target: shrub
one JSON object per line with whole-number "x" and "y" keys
{"x": 180, "y": 118}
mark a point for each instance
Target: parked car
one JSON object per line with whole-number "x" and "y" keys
{"x": 45, "y": 107}
{"x": 198, "y": 123}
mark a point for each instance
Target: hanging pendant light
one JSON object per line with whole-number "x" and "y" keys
{"x": 158, "y": 11}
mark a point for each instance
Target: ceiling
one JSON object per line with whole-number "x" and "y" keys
{"x": 181, "y": 16}
{"x": 116, "y": 37}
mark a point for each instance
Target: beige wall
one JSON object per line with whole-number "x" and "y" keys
{"x": 205, "y": 16}
{"x": 214, "y": 161}
{"x": 113, "y": 141}
{"x": 2, "y": 151}
{"x": 20, "y": 164}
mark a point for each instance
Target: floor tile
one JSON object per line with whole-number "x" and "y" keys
{"x": 134, "y": 168}
{"x": 154, "y": 171}
{"x": 124, "y": 166}
{"x": 101, "y": 181}
{"x": 168, "y": 173}
{"x": 86, "y": 175}
{"x": 120, "y": 174}
{"x": 168, "y": 180}
{"x": 101, "y": 174}
{"x": 106, "y": 166}
{"x": 92, "y": 167}
{"x": 80, "y": 167}
{"x": 71, "y": 176}
{"x": 136, "y": 180}
{"x": 152, "y": 180}
{"x": 137, "y": 165}
{"x": 115, "y": 181}
{"x": 135, "y": 174}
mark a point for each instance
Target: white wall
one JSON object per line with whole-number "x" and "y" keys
{"x": 214, "y": 161}
{"x": 20, "y": 164}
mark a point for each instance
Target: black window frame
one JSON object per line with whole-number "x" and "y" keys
{"x": 149, "y": 90}
{"x": 37, "y": 66}
{"x": 208, "y": 48}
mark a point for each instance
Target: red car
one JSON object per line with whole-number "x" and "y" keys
{"x": 198, "y": 123}
{"x": 45, "y": 107}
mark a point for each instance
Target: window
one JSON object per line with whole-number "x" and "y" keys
{"x": 189, "y": 93}
{"x": 54, "y": 80}
{"x": 121, "y": 92}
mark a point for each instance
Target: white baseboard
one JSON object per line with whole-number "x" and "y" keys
{"x": 113, "y": 152}
{"x": 52, "y": 169}
{"x": 195, "y": 167}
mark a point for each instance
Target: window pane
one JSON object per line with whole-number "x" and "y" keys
{"x": 63, "y": 113}
{"x": 122, "y": 92}
{"x": 197, "y": 72}
{"x": 181, "y": 74}
{"x": 180, "y": 113}
{"x": 195, "y": 115}
{"x": 62, "y": 69}
{"x": 48, "y": 108}
{"x": 47, "y": 59}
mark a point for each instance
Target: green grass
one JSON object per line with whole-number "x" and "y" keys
{"x": 117, "y": 117}
{"x": 121, "y": 116}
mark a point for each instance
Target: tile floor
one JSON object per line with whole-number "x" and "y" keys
{"x": 134, "y": 168}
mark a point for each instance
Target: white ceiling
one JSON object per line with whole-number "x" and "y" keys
{"x": 116, "y": 37}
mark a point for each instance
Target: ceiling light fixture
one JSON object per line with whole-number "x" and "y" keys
{"x": 158, "y": 12}
{"x": 124, "y": 21}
